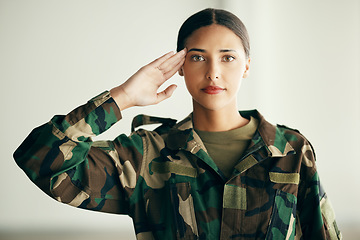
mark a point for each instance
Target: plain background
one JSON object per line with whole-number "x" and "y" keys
{"x": 55, "y": 55}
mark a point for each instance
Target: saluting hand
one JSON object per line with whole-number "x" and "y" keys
{"x": 141, "y": 89}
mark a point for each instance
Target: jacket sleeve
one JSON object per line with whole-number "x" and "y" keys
{"x": 62, "y": 160}
{"x": 315, "y": 215}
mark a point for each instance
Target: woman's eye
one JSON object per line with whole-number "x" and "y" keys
{"x": 197, "y": 58}
{"x": 228, "y": 58}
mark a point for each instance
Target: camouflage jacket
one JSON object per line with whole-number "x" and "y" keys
{"x": 167, "y": 183}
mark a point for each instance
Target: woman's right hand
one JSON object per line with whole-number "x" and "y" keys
{"x": 141, "y": 89}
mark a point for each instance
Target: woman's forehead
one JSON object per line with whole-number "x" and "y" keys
{"x": 214, "y": 36}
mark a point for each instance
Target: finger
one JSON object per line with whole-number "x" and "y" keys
{"x": 176, "y": 68}
{"x": 166, "y": 93}
{"x": 157, "y": 62}
{"x": 172, "y": 62}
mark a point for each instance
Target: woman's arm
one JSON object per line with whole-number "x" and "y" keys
{"x": 65, "y": 163}
{"x": 316, "y": 217}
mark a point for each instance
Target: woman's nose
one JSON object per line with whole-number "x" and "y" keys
{"x": 213, "y": 71}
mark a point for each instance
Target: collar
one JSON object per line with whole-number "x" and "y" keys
{"x": 181, "y": 135}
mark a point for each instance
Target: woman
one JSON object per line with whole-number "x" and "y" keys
{"x": 217, "y": 174}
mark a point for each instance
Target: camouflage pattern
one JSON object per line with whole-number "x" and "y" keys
{"x": 167, "y": 183}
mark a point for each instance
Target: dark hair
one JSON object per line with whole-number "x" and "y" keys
{"x": 211, "y": 16}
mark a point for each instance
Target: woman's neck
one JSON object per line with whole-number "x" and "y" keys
{"x": 224, "y": 119}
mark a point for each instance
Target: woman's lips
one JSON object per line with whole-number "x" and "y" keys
{"x": 213, "y": 89}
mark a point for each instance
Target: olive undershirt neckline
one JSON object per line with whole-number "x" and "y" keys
{"x": 227, "y": 147}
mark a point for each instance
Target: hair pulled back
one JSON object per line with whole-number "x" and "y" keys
{"x": 211, "y": 16}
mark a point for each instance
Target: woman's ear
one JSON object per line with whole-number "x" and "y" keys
{"x": 181, "y": 72}
{"x": 247, "y": 68}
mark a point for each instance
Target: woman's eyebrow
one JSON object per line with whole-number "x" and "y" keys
{"x": 203, "y": 50}
{"x": 197, "y": 50}
{"x": 227, "y": 50}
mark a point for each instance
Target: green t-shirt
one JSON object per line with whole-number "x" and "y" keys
{"x": 226, "y": 148}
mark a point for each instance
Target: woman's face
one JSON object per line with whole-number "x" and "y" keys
{"x": 214, "y": 67}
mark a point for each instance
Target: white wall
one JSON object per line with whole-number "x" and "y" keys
{"x": 55, "y": 55}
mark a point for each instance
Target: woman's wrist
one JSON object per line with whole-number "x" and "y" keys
{"x": 121, "y": 98}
